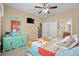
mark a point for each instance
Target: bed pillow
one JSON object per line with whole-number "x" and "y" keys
{"x": 48, "y": 38}
{"x": 69, "y": 42}
{"x": 45, "y": 38}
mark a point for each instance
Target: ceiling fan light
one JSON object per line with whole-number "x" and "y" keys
{"x": 46, "y": 10}
{"x": 43, "y": 10}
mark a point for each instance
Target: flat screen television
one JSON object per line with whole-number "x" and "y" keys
{"x": 30, "y": 20}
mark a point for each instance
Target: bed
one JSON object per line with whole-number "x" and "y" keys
{"x": 35, "y": 46}
{"x": 44, "y": 48}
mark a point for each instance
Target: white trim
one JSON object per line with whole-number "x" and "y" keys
{"x": 2, "y": 9}
{"x": 71, "y": 27}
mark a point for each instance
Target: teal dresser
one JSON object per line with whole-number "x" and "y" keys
{"x": 12, "y": 42}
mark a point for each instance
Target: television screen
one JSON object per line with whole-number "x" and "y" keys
{"x": 30, "y": 20}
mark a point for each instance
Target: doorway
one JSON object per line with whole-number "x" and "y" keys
{"x": 40, "y": 30}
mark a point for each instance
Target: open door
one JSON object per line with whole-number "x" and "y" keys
{"x": 40, "y": 30}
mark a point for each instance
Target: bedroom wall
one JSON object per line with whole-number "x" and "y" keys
{"x": 74, "y": 14}
{"x": 30, "y": 29}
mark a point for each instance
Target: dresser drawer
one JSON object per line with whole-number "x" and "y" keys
{"x": 10, "y": 42}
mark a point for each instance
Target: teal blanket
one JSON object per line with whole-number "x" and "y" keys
{"x": 68, "y": 52}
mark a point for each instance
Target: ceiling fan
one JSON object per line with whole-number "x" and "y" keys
{"x": 45, "y": 8}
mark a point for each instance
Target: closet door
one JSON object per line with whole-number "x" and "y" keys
{"x": 44, "y": 29}
{"x": 53, "y": 29}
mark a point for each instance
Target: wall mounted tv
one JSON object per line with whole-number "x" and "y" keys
{"x": 30, "y": 20}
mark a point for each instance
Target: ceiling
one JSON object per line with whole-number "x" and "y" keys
{"x": 29, "y": 7}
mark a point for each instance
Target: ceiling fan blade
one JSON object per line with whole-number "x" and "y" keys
{"x": 38, "y": 7}
{"x": 53, "y": 7}
{"x": 40, "y": 11}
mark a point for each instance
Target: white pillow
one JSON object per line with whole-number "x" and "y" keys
{"x": 66, "y": 38}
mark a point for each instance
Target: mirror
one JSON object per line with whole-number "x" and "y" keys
{"x": 15, "y": 25}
